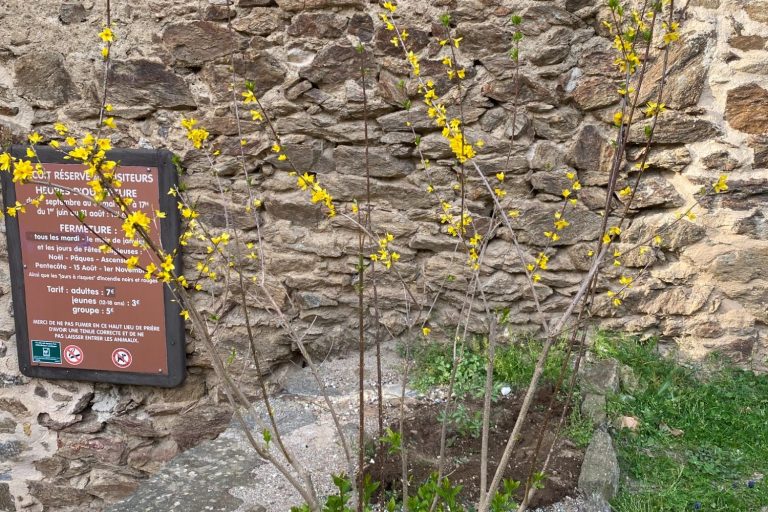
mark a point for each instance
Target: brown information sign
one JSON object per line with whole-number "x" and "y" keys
{"x": 81, "y": 312}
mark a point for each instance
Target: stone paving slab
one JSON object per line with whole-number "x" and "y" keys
{"x": 202, "y": 478}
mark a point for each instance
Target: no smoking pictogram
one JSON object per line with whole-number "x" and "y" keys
{"x": 122, "y": 358}
{"x": 73, "y": 354}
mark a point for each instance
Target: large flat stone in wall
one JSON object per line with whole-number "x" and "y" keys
{"x": 351, "y": 160}
{"x": 592, "y": 153}
{"x": 552, "y": 48}
{"x": 305, "y": 5}
{"x": 110, "y": 486}
{"x": 335, "y": 64}
{"x": 195, "y": 43}
{"x": 558, "y": 124}
{"x": 746, "y": 109}
{"x": 685, "y": 70}
{"x": 42, "y": 78}
{"x": 546, "y": 156}
{"x": 264, "y": 70}
{"x": 746, "y": 43}
{"x": 396, "y": 121}
{"x": 199, "y": 424}
{"x": 680, "y": 300}
{"x": 56, "y": 496}
{"x": 593, "y": 92}
{"x": 661, "y": 159}
{"x": 552, "y": 182}
{"x": 72, "y": 12}
{"x": 754, "y": 296}
{"x": 757, "y": 10}
{"x": 653, "y": 191}
{"x": 741, "y": 265}
{"x": 524, "y": 90}
{"x": 675, "y": 235}
{"x": 145, "y": 82}
{"x": 539, "y": 18}
{"x": 322, "y": 25}
{"x": 260, "y": 21}
{"x": 483, "y": 38}
{"x": 675, "y": 128}
{"x": 537, "y": 217}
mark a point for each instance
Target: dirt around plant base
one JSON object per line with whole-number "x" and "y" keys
{"x": 422, "y": 441}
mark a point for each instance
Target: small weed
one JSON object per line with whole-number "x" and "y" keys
{"x": 514, "y": 364}
{"x": 466, "y": 424}
{"x": 434, "y": 363}
{"x": 578, "y": 428}
{"x": 702, "y": 442}
{"x": 446, "y": 493}
{"x": 392, "y": 441}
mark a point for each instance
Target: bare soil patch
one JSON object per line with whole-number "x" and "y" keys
{"x": 422, "y": 441}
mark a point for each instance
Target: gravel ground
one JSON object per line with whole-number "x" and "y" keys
{"x": 317, "y": 445}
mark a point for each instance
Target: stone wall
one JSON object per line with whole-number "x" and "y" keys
{"x": 70, "y": 446}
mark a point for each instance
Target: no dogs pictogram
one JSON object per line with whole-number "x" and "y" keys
{"x": 73, "y": 354}
{"x": 122, "y": 358}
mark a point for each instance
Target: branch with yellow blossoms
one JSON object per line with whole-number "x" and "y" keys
{"x": 307, "y": 182}
{"x": 462, "y": 149}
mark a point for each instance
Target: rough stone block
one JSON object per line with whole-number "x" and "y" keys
{"x": 193, "y": 44}
{"x": 43, "y": 79}
{"x": 600, "y": 469}
{"x": 148, "y": 83}
{"x": 593, "y": 407}
{"x": 72, "y": 12}
{"x": 601, "y": 376}
{"x": 746, "y": 109}
{"x": 6, "y": 499}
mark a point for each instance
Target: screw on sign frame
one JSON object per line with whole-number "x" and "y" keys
{"x": 44, "y": 306}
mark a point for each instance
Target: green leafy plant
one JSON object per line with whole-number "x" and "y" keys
{"x": 504, "y": 500}
{"x": 578, "y": 428}
{"x": 435, "y": 364}
{"x": 392, "y": 440}
{"x": 338, "y": 502}
{"x": 465, "y": 423}
{"x": 513, "y": 365}
{"x": 444, "y": 492}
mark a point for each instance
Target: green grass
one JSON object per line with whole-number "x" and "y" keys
{"x": 718, "y": 461}
{"x": 513, "y": 366}
{"x": 578, "y": 428}
{"x": 433, "y": 363}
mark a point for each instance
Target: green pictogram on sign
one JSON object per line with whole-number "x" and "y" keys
{"x": 46, "y": 352}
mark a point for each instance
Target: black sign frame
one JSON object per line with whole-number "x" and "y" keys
{"x": 169, "y": 235}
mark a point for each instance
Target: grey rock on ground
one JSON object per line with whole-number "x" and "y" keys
{"x": 593, "y": 407}
{"x": 601, "y": 376}
{"x": 600, "y": 469}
